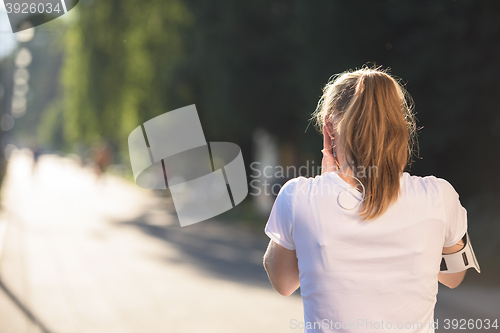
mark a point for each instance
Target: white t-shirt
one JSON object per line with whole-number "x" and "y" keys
{"x": 367, "y": 276}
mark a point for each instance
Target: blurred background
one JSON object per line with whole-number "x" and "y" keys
{"x": 82, "y": 249}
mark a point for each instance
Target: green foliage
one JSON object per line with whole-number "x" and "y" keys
{"x": 50, "y": 129}
{"x": 119, "y": 65}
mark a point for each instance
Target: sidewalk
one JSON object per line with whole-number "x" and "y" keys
{"x": 87, "y": 256}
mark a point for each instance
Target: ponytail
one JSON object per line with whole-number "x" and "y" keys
{"x": 376, "y": 129}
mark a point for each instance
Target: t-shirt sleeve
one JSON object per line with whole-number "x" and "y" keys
{"x": 280, "y": 222}
{"x": 455, "y": 214}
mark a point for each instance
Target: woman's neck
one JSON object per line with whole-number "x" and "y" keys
{"x": 347, "y": 175}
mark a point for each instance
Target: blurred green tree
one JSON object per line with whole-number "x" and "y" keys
{"x": 119, "y": 69}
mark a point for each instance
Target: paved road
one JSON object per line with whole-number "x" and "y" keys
{"x": 79, "y": 254}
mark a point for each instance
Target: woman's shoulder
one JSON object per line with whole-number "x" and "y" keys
{"x": 292, "y": 184}
{"x": 298, "y": 185}
{"x": 305, "y": 186}
{"x": 429, "y": 184}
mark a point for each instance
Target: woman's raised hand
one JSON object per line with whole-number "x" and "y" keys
{"x": 328, "y": 163}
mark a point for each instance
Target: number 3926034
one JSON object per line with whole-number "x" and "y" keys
{"x": 33, "y": 8}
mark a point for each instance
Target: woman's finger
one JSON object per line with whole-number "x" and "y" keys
{"x": 328, "y": 163}
{"x": 327, "y": 140}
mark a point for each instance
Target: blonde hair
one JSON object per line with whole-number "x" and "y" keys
{"x": 372, "y": 114}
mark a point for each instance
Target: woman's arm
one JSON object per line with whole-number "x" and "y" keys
{"x": 452, "y": 280}
{"x": 282, "y": 268}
